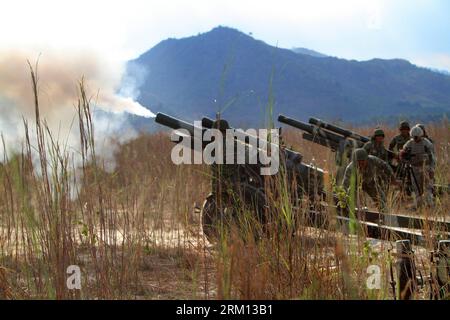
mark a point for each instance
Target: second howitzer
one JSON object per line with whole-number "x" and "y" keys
{"x": 342, "y": 141}
{"x": 339, "y": 140}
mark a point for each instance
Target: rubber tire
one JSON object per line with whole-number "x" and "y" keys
{"x": 211, "y": 217}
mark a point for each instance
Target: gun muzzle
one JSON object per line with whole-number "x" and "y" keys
{"x": 312, "y": 130}
{"x": 173, "y": 122}
{"x": 344, "y": 132}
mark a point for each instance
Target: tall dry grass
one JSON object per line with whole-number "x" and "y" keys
{"x": 295, "y": 261}
{"x": 126, "y": 229}
{"x": 135, "y": 230}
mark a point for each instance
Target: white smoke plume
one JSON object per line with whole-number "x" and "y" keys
{"x": 59, "y": 73}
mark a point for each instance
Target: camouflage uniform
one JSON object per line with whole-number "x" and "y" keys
{"x": 376, "y": 150}
{"x": 223, "y": 176}
{"x": 420, "y": 155}
{"x": 398, "y": 142}
{"x": 343, "y": 158}
{"x": 373, "y": 179}
{"x": 236, "y": 185}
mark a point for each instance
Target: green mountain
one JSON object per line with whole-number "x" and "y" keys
{"x": 247, "y": 80}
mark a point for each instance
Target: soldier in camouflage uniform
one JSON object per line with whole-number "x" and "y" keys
{"x": 399, "y": 141}
{"x": 375, "y": 146}
{"x": 343, "y": 157}
{"x": 234, "y": 186}
{"x": 223, "y": 176}
{"x": 396, "y": 146}
{"x": 370, "y": 174}
{"x": 419, "y": 153}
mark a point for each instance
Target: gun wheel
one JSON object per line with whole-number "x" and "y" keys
{"x": 211, "y": 218}
{"x": 214, "y": 219}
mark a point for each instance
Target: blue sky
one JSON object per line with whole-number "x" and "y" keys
{"x": 416, "y": 30}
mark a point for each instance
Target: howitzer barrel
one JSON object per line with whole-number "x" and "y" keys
{"x": 174, "y": 123}
{"x": 310, "y": 129}
{"x": 290, "y": 155}
{"x": 322, "y": 141}
{"x": 344, "y": 132}
{"x": 360, "y": 139}
{"x": 207, "y": 122}
{"x": 244, "y": 136}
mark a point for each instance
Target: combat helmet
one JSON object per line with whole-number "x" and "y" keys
{"x": 404, "y": 125}
{"x": 421, "y": 126}
{"x": 416, "y": 132}
{"x": 378, "y": 132}
{"x": 360, "y": 154}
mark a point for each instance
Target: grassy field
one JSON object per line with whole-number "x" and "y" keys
{"x": 135, "y": 232}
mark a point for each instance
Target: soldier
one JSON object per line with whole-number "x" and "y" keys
{"x": 235, "y": 187}
{"x": 396, "y": 146}
{"x": 399, "y": 140}
{"x": 375, "y": 146}
{"x": 372, "y": 174}
{"x": 343, "y": 158}
{"x": 418, "y": 152}
{"x": 236, "y": 184}
{"x": 223, "y": 176}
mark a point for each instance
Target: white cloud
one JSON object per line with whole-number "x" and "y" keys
{"x": 439, "y": 61}
{"x": 122, "y": 30}
{"x": 125, "y": 28}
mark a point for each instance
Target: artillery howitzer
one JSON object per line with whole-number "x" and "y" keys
{"x": 246, "y": 181}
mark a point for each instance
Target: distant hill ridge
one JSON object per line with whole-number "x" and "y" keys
{"x": 229, "y": 71}
{"x": 309, "y": 52}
